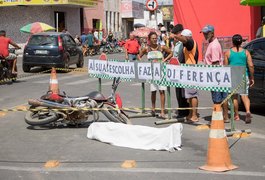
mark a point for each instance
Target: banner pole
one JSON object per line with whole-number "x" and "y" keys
{"x": 169, "y": 102}
{"x": 232, "y": 112}
{"x": 99, "y": 84}
{"x": 143, "y": 97}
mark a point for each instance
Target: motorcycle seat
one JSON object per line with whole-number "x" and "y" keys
{"x": 96, "y": 96}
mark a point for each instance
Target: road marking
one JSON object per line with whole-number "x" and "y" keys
{"x": 51, "y": 164}
{"x": 107, "y": 83}
{"x": 133, "y": 170}
{"x": 81, "y": 81}
{"x": 2, "y": 114}
{"x": 136, "y": 84}
{"x": 257, "y": 135}
{"x": 59, "y": 78}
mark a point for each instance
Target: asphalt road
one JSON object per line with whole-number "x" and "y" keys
{"x": 25, "y": 150}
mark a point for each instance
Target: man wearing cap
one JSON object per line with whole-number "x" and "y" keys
{"x": 214, "y": 56}
{"x": 261, "y": 29}
{"x": 191, "y": 55}
{"x": 180, "y": 94}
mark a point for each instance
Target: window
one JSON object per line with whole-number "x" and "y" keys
{"x": 68, "y": 40}
{"x": 43, "y": 40}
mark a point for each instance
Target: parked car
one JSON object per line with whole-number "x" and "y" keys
{"x": 51, "y": 49}
{"x": 256, "y": 48}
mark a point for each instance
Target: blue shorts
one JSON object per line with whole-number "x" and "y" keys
{"x": 218, "y": 97}
{"x": 132, "y": 56}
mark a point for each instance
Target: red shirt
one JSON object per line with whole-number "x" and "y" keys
{"x": 132, "y": 46}
{"x": 4, "y": 43}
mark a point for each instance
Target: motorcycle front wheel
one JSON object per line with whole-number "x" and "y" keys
{"x": 36, "y": 118}
{"x": 114, "y": 116}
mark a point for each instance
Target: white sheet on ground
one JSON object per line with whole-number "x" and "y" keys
{"x": 136, "y": 136}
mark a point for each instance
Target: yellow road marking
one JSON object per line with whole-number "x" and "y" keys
{"x": 2, "y": 114}
{"x": 129, "y": 164}
{"x": 241, "y": 135}
{"x": 203, "y": 127}
{"x": 51, "y": 164}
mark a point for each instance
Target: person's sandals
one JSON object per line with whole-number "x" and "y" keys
{"x": 236, "y": 118}
{"x": 188, "y": 120}
{"x": 226, "y": 120}
{"x": 161, "y": 116}
{"x": 248, "y": 118}
{"x": 153, "y": 113}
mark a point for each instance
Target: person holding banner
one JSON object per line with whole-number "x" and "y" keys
{"x": 191, "y": 55}
{"x": 214, "y": 56}
{"x": 154, "y": 53}
{"x": 237, "y": 56}
{"x": 178, "y": 53}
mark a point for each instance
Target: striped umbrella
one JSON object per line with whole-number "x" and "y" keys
{"x": 144, "y": 31}
{"x": 36, "y": 27}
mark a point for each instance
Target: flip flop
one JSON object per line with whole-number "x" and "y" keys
{"x": 160, "y": 116}
{"x": 153, "y": 114}
{"x": 236, "y": 118}
{"x": 192, "y": 121}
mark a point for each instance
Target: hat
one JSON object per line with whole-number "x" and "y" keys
{"x": 186, "y": 33}
{"x": 163, "y": 29}
{"x": 177, "y": 29}
{"x": 207, "y": 28}
{"x": 160, "y": 25}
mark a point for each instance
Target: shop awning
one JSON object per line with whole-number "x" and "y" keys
{"x": 85, "y": 3}
{"x": 253, "y": 2}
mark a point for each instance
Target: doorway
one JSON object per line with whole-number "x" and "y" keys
{"x": 59, "y": 18}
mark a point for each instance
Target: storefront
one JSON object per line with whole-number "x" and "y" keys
{"x": 61, "y": 14}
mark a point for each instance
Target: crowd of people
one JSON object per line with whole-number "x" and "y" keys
{"x": 175, "y": 42}
{"x": 92, "y": 41}
{"x": 178, "y": 42}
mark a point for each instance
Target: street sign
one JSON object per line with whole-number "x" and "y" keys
{"x": 151, "y": 5}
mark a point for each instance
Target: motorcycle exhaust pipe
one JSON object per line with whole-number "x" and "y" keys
{"x": 45, "y": 103}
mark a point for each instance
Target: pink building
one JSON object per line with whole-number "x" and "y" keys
{"x": 227, "y": 16}
{"x": 94, "y": 17}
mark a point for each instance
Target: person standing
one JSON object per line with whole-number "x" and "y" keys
{"x": 83, "y": 38}
{"x": 90, "y": 39}
{"x": 77, "y": 40}
{"x": 154, "y": 53}
{"x": 237, "y": 56}
{"x": 131, "y": 47}
{"x": 190, "y": 54}
{"x": 214, "y": 56}
{"x": 4, "y": 44}
{"x": 261, "y": 29}
{"x": 163, "y": 38}
{"x": 178, "y": 52}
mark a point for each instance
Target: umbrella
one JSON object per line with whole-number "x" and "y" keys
{"x": 138, "y": 25}
{"x": 253, "y": 2}
{"x": 36, "y": 27}
{"x": 144, "y": 31}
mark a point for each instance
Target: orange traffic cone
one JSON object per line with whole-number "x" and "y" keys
{"x": 218, "y": 156}
{"x": 54, "y": 88}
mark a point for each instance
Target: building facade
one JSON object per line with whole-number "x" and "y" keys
{"x": 61, "y": 14}
{"x": 94, "y": 17}
{"x": 112, "y": 17}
